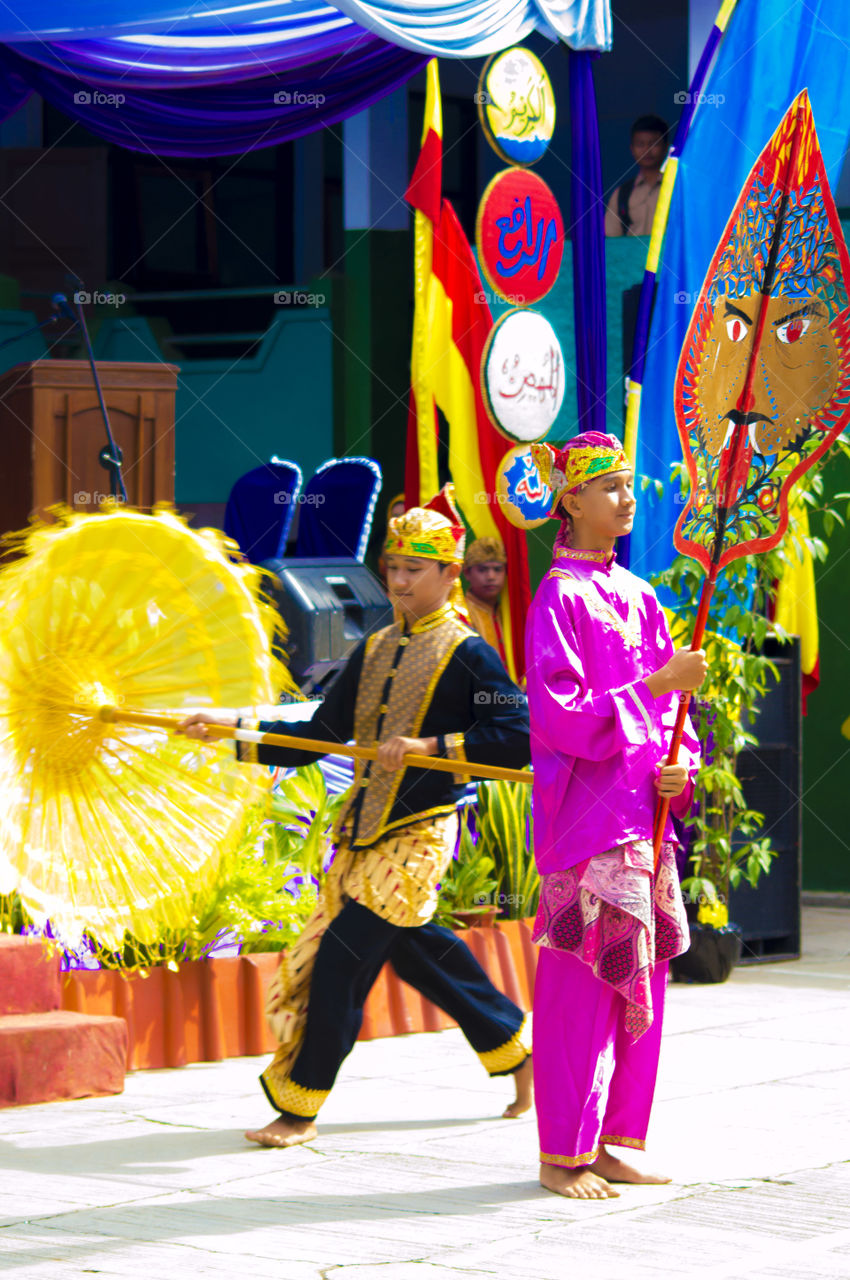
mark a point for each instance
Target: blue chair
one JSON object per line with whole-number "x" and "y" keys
{"x": 336, "y": 509}
{"x": 261, "y": 507}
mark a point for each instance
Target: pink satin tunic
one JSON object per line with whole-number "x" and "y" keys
{"x": 598, "y": 737}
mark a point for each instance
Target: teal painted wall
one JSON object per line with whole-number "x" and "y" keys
{"x": 232, "y": 415}
{"x": 26, "y": 346}
{"x": 826, "y": 752}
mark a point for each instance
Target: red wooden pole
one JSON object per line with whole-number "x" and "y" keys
{"x": 663, "y": 806}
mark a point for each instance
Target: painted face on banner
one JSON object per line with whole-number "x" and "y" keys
{"x": 743, "y": 459}
{"x": 797, "y": 370}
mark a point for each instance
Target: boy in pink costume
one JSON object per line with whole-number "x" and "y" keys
{"x": 603, "y": 689}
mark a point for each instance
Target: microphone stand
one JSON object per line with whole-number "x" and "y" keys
{"x": 16, "y": 337}
{"x": 110, "y": 455}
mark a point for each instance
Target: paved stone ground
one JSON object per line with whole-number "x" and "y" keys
{"x": 412, "y": 1178}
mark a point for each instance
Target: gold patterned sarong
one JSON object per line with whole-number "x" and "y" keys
{"x": 397, "y": 879}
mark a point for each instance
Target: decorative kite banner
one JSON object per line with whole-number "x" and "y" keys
{"x": 522, "y": 495}
{"x": 520, "y": 236}
{"x": 522, "y": 376}
{"x": 763, "y": 382}
{"x": 516, "y": 106}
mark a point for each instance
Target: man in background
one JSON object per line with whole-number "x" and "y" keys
{"x": 485, "y": 569}
{"x": 631, "y": 206}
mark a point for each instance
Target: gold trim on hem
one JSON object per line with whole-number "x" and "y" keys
{"x": 637, "y": 1144}
{"x": 569, "y": 1162}
{"x": 573, "y": 1162}
{"x": 510, "y": 1054}
{"x": 300, "y": 1101}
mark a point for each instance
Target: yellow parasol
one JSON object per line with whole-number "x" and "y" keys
{"x": 107, "y": 827}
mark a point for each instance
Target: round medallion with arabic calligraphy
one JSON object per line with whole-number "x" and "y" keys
{"x": 523, "y": 497}
{"x": 520, "y": 236}
{"x": 516, "y": 106}
{"x": 522, "y": 376}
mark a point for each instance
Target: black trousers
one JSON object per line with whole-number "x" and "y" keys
{"x": 429, "y": 957}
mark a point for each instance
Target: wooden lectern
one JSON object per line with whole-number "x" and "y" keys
{"x": 52, "y": 432}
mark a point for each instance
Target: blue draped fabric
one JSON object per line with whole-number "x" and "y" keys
{"x": 237, "y": 114}
{"x": 770, "y": 52}
{"x": 151, "y": 76}
{"x": 588, "y": 237}
{"x": 14, "y": 92}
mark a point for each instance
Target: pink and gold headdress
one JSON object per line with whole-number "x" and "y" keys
{"x": 586, "y": 457}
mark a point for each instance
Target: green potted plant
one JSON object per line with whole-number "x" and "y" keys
{"x": 506, "y": 834}
{"x": 727, "y": 848}
{"x": 494, "y": 874}
{"x": 468, "y": 885}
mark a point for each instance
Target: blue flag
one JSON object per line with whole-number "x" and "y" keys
{"x": 771, "y": 50}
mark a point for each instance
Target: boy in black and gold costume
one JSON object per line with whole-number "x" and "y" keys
{"x": 426, "y": 685}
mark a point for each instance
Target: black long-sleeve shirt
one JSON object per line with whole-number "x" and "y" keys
{"x": 437, "y": 679}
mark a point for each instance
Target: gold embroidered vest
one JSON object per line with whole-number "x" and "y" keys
{"x": 400, "y": 673}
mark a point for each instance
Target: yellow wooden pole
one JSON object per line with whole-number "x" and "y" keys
{"x": 217, "y": 732}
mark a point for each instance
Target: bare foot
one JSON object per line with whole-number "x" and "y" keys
{"x": 576, "y": 1184}
{"x": 524, "y": 1080}
{"x": 283, "y": 1133}
{"x": 616, "y": 1170}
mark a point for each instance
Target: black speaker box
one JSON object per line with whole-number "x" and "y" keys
{"x": 771, "y": 780}
{"x": 328, "y": 607}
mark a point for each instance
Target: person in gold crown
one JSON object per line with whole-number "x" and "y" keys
{"x": 485, "y": 569}
{"x": 426, "y": 685}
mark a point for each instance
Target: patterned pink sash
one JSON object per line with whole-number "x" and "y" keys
{"x": 615, "y": 915}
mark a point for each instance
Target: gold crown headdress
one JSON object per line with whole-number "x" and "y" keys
{"x": 432, "y": 532}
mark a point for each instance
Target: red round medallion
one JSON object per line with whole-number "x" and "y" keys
{"x": 520, "y": 236}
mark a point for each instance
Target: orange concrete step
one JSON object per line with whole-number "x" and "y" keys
{"x": 48, "y": 1056}
{"x": 29, "y": 976}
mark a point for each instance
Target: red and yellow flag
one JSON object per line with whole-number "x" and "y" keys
{"x": 451, "y": 325}
{"x": 421, "y": 480}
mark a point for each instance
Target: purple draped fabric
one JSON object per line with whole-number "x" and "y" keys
{"x": 207, "y": 102}
{"x": 14, "y": 92}
{"x": 588, "y": 237}
{"x": 222, "y": 119}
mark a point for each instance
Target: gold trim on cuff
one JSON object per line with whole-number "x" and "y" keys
{"x": 455, "y": 750}
{"x": 637, "y": 1144}
{"x": 246, "y": 752}
{"x": 510, "y": 1054}
{"x": 570, "y": 1162}
{"x": 300, "y": 1101}
{"x": 573, "y": 1162}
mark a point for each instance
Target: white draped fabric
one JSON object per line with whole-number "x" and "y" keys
{"x": 474, "y": 28}
{"x": 445, "y": 28}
